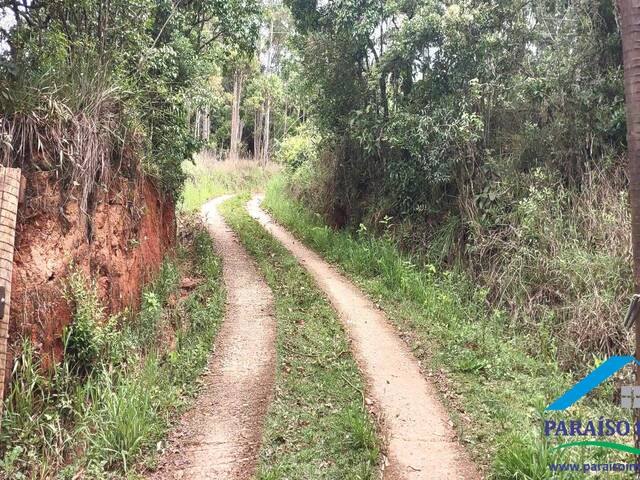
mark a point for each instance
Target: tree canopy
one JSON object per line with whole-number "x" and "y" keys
{"x": 128, "y": 74}
{"x": 429, "y": 101}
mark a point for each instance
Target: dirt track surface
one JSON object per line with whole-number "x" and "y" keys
{"x": 219, "y": 437}
{"x": 420, "y": 443}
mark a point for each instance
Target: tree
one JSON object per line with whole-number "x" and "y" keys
{"x": 140, "y": 64}
{"x": 267, "y": 85}
{"x": 425, "y": 102}
{"x": 630, "y": 29}
{"x": 236, "y": 121}
{"x": 267, "y": 107}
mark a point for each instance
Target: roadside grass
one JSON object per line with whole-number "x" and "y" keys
{"x": 103, "y": 411}
{"x": 495, "y": 379}
{"x": 208, "y": 177}
{"x": 317, "y": 426}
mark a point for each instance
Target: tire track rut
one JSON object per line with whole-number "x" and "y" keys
{"x": 219, "y": 437}
{"x": 420, "y": 443}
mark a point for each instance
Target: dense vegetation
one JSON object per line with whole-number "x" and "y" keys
{"x": 95, "y": 87}
{"x": 483, "y": 134}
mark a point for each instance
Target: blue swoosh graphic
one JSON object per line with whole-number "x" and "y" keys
{"x": 591, "y": 381}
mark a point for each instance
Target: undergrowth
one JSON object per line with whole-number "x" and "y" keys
{"x": 495, "y": 379}
{"x": 560, "y": 257}
{"x": 102, "y": 411}
{"x": 317, "y": 426}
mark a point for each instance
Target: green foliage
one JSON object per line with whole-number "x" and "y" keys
{"x": 298, "y": 149}
{"x": 89, "y": 336}
{"x": 426, "y": 104}
{"x": 125, "y": 414}
{"x": 102, "y": 418}
{"x": 145, "y": 64}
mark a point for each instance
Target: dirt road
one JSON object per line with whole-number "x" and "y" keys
{"x": 420, "y": 442}
{"x": 219, "y": 437}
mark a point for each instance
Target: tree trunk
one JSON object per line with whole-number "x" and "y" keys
{"x": 267, "y": 130}
{"x": 630, "y": 27}
{"x": 236, "y": 127}
{"x": 267, "y": 109}
{"x": 206, "y": 125}
{"x": 257, "y": 134}
{"x": 196, "y": 125}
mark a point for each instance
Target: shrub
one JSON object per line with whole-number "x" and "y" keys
{"x": 88, "y": 337}
{"x": 560, "y": 259}
{"x": 298, "y": 149}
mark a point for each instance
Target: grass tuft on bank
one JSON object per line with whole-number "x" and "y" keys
{"x": 102, "y": 411}
{"x": 318, "y": 426}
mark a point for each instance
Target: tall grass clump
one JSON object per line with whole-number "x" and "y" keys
{"x": 101, "y": 411}
{"x": 72, "y": 120}
{"x": 560, "y": 260}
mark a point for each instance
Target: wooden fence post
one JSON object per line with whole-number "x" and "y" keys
{"x": 11, "y": 182}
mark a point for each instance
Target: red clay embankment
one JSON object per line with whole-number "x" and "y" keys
{"x": 132, "y": 226}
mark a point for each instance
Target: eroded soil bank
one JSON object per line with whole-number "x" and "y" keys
{"x": 123, "y": 244}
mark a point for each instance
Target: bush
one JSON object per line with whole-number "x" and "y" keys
{"x": 559, "y": 259}
{"x": 115, "y": 88}
{"x": 298, "y": 149}
{"x": 90, "y": 335}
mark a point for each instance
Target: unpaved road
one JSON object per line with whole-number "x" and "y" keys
{"x": 219, "y": 437}
{"x": 420, "y": 443}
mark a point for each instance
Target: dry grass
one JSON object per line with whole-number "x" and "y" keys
{"x": 561, "y": 262}
{"x": 80, "y": 144}
{"x": 209, "y": 177}
{"x": 209, "y": 160}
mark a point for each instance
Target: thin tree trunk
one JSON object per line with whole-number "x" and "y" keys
{"x": 196, "y": 125}
{"x": 630, "y": 27}
{"x": 257, "y": 134}
{"x": 206, "y": 125}
{"x": 233, "y": 145}
{"x": 267, "y": 112}
{"x": 267, "y": 130}
{"x": 286, "y": 116}
{"x": 236, "y": 127}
